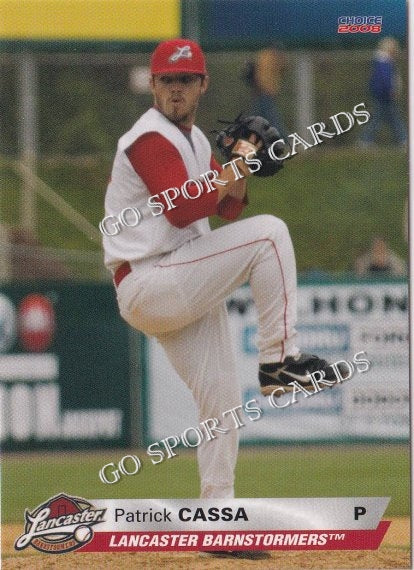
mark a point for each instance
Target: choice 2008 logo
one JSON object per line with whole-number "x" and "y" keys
{"x": 359, "y": 24}
{"x": 61, "y": 524}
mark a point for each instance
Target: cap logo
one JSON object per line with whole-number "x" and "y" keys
{"x": 181, "y": 53}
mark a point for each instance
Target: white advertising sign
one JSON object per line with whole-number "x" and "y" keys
{"x": 335, "y": 321}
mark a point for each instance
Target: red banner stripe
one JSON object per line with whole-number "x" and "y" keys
{"x": 237, "y": 540}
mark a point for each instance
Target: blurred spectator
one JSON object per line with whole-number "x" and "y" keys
{"x": 380, "y": 260}
{"x": 385, "y": 87}
{"x": 266, "y": 79}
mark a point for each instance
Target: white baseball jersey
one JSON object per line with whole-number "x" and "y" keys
{"x": 153, "y": 235}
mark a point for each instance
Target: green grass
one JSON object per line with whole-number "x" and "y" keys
{"x": 333, "y": 201}
{"x": 295, "y": 471}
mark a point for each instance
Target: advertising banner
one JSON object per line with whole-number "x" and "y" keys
{"x": 341, "y": 322}
{"x": 64, "y": 367}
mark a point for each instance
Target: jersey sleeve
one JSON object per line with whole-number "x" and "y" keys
{"x": 160, "y": 166}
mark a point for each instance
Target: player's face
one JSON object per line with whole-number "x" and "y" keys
{"x": 177, "y": 95}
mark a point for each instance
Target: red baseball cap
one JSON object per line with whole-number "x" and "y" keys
{"x": 178, "y": 56}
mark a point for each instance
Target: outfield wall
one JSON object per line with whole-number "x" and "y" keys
{"x": 73, "y": 375}
{"x": 64, "y": 367}
{"x": 337, "y": 320}
{"x": 126, "y": 25}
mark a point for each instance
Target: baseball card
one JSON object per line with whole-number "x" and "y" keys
{"x": 204, "y": 284}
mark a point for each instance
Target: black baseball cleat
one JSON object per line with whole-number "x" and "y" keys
{"x": 237, "y": 554}
{"x": 280, "y": 374}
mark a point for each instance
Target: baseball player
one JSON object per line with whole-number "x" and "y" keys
{"x": 172, "y": 273}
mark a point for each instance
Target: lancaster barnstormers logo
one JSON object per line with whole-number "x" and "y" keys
{"x": 60, "y": 525}
{"x": 181, "y": 53}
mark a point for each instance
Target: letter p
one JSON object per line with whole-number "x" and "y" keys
{"x": 359, "y": 512}
{"x": 170, "y": 198}
{"x": 169, "y": 443}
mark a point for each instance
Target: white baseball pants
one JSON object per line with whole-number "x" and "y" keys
{"x": 180, "y": 297}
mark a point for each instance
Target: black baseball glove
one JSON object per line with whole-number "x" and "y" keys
{"x": 242, "y": 128}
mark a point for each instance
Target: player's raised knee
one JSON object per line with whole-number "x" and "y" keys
{"x": 271, "y": 225}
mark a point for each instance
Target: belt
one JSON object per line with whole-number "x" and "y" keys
{"x": 122, "y": 271}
